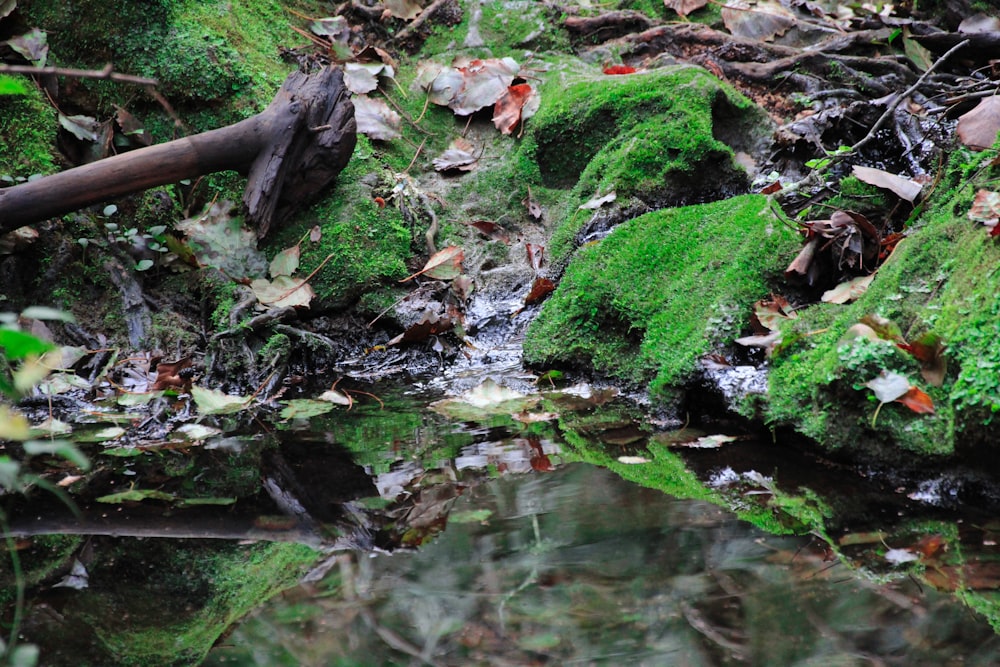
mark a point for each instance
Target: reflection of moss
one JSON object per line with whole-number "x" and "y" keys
{"x": 46, "y": 555}
{"x": 940, "y": 280}
{"x": 642, "y": 310}
{"x": 186, "y": 594}
{"x": 27, "y": 134}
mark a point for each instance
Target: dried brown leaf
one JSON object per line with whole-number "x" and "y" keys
{"x": 459, "y": 155}
{"x": 904, "y": 188}
{"x": 978, "y": 128}
{"x": 684, "y": 7}
{"x": 375, "y": 119}
{"x": 445, "y": 264}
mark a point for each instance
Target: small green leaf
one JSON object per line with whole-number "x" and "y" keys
{"x": 135, "y": 495}
{"x": 188, "y": 502}
{"x": 144, "y": 265}
{"x": 18, "y": 344}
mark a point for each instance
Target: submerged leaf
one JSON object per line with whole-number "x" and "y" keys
{"x": 304, "y": 408}
{"x": 136, "y": 495}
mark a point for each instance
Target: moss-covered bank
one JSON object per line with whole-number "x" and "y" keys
{"x": 941, "y": 281}
{"x": 663, "y": 290}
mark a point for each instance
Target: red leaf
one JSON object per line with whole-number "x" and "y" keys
{"x": 619, "y": 69}
{"x": 490, "y": 229}
{"x": 918, "y": 401}
{"x": 507, "y": 111}
{"x": 540, "y": 289}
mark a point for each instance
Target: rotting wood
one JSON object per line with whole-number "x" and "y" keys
{"x": 290, "y": 151}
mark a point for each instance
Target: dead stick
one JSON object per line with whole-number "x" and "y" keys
{"x": 290, "y": 151}
{"x": 419, "y": 21}
{"x": 106, "y": 73}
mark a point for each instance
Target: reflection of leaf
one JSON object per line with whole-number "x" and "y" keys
{"x": 214, "y": 402}
{"x": 136, "y": 495}
{"x": 445, "y": 264}
{"x": 978, "y": 128}
{"x": 902, "y": 187}
{"x": 304, "y": 408}
{"x": 375, "y": 119}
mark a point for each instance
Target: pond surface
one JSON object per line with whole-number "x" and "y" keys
{"x": 578, "y": 566}
{"x": 499, "y": 530}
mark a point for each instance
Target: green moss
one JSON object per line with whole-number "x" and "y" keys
{"x": 645, "y": 311}
{"x": 27, "y": 135}
{"x": 941, "y": 280}
{"x": 362, "y": 244}
{"x": 508, "y": 28}
{"x": 198, "y": 51}
{"x": 228, "y": 580}
{"x": 663, "y": 136}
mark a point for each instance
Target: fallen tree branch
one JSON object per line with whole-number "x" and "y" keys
{"x": 291, "y": 151}
{"x": 106, "y": 74}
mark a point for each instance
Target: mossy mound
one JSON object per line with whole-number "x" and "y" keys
{"x": 665, "y": 137}
{"x": 27, "y": 134}
{"x": 662, "y": 290}
{"x": 940, "y": 281}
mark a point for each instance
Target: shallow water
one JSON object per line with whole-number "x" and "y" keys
{"x": 577, "y": 566}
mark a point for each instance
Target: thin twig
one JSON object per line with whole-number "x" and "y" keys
{"x": 107, "y": 73}
{"x": 419, "y": 21}
{"x": 891, "y": 109}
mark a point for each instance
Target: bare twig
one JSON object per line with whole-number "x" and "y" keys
{"x": 107, "y": 73}
{"x": 891, "y": 109}
{"x": 419, "y": 21}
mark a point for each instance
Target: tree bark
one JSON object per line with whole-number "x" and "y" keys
{"x": 291, "y": 151}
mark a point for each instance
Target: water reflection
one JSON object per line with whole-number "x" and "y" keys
{"x": 580, "y": 567}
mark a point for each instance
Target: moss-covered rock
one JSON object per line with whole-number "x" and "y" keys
{"x": 665, "y": 137}
{"x": 27, "y": 134}
{"x": 662, "y": 290}
{"x": 940, "y": 281}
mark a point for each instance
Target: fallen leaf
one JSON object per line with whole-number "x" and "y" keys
{"x": 888, "y": 386}
{"x": 986, "y": 209}
{"x": 197, "y": 431}
{"x": 918, "y": 401}
{"x": 488, "y": 398}
{"x": 304, "y": 408}
{"x": 315, "y": 234}
{"x": 978, "y": 128}
{"x": 459, "y": 155}
{"x": 445, "y": 264}
{"x": 633, "y": 460}
{"x": 900, "y": 556}
{"x": 763, "y": 21}
{"x": 615, "y": 70}
{"x": 331, "y": 395}
{"x": 848, "y": 291}
{"x": 534, "y": 210}
{"x": 536, "y": 254}
{"x": 904, "y": 188}
{"x": 215, "y": 402}
{"x": 491, "y": 230}
{"x": 136, "y": 495}
{"x": 884, "y": 327}
{"x": 403, "y": 9}
{"x": 172, "y": 375}
{"x": 598, "y": 202}
{"x": 684, "y": 7}
{"x": 32, "y": 46}
{"x": 540, "y": 289}
{"x": 283, "y": 291}
{"x": 929, "y": 351}
{"x": 431, "y": 324}
{"x": 17, "y": 240}
{"x": 84, "y": 128}
{"x": 285, "y": 263}
{"x": 361, "y": 78}
{"x": 507, "y": 112}
{"x": 769, "y": 314}
{"x": 375, "y": 119}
